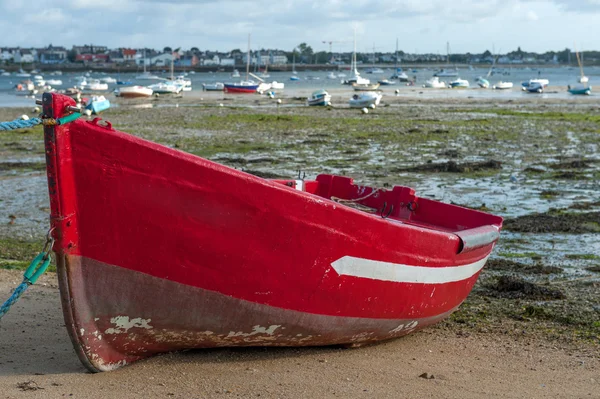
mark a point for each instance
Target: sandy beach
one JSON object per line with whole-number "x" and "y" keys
{"x": 530, "y": 328}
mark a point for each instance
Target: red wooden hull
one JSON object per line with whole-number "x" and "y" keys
{"x": 160, "y": 250}
{"x": 242, "y": 89}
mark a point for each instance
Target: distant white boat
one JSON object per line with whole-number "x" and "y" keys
{"x": 331, "y": 75}
{"x": 535, "y": 82}
{"x": 319, "y": 98}
{"x": 503, "y": 85}
{"x": 374, "y": 71}
{"x": 459, "y": 84}
{"x": 446, "y": 73}
{"x": 145, "y": 75}
{"x": 108, "y": 80}
{"x": 134, "y": 92}
{"x": 355, "y": 77}
{"x": 39, "y": 81}
{"x": 148, "y": 76}
{"x": 184, "y": 82}
{"x": 54, "y": 82}
{"x": 434, "y": 83}
{"x": 167, "y": 87}
{"x": 277, "y": 85}
{"x": 93, "y": 85}
{"x": 218, "y": 86}
{"x": 365, "y": 99}
{"x": 235, "y": 73}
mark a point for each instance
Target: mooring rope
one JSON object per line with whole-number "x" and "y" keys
{"x": 26, "y": 123}
{"x": 36, "y": 268}
{"x": 20, "y": 124}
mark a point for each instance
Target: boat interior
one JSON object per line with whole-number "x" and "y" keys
{"x": 401, "y": 204}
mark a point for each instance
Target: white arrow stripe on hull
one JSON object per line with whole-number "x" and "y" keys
{"x": 399, "y": 273}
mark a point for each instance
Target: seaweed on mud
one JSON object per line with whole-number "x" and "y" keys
{"x": 595, "y": 269}
{"x": 22, "y": 165}
{"x": 512, "y": 287}
{"x": 512, "y": 266}
{"x": 453, "y": 167}
{"x": 532, "y": 169}
{"x": 450, "y": 153}
{"x": 577, "y": 223}
{"x": 569, "y": 175}
{"x": 264, "y": 175}
{"x": 573, "y": 164}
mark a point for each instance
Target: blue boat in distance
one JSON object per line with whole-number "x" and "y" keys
{"x": 97, "y": 104}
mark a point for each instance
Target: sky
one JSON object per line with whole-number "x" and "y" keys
{"x": 421, "y": 26}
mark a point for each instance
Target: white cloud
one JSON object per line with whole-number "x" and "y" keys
{"x": 532, "y": 16}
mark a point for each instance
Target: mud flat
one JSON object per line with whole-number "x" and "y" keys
{"x": 530, "y": 328}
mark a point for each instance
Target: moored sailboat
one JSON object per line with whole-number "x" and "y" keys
{"x": 245, "y": 86}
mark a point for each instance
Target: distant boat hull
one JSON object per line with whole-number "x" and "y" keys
{"x": 213, "y": 86}
{"x": 135, "y": 92}
{"x": 503, "y": 86}
{"x": 460, "y": 84}
{"x": 98, "y": 105}
{"x": 366, "y": 99}
{"x": 581, "y": 90}
{"x": 365, "y": 87}
{"x": 240, "y": 88}
{"x": 320, "y": 98}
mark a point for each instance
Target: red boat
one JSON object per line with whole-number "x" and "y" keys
{"x": 159, "y": 250}
{"x": 242, "y": 87}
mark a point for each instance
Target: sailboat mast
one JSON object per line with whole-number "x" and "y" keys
{"x": 579, "y": 62}
{"x": 248, "y": 59}
{"x": 396, "y": 61}
{"x": 355, "y": 70}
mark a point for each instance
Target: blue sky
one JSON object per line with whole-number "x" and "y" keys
{"x": 420, "y": 25}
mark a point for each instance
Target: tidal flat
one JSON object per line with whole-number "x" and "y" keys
{"x": 535, "y": 163}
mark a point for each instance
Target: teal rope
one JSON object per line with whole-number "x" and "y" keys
{"x": 37, "y": 267}
{"x": 19, "y": 124}
{"x": 14, "y": 298}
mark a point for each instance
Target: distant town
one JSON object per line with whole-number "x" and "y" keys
{"x": 101, "y": 57}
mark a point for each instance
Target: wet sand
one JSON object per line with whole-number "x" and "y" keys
{"x": 505, "y": 344}
{"x": 38, "y": 362}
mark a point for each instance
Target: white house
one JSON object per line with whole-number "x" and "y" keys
{"x": 215, "y": 60}
{"x": 160, "y": 59}
{"x": 227, "y": 62}
{"x": 24, "y": 56}
{"x": 7, "y": 54}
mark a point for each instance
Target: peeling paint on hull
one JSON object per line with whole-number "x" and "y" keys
{"x": 159, "y": 321}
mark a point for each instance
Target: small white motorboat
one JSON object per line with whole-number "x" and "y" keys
{"x": 459, "y": 84}
{"x": 331, "y": 75}
{"x": 434, "y": 83}
{"x": 134, "y": 92}
{"x": 319, "y": 98}
{"x": 365, "y": 86}
{"x": 93, "y": 85}
{"x": 54, "y": 82}
{"x": 167, "y": 87}
{"x": 277, "y": 85}
{"x": 235, "y": 73}
{"x": 367, "y": 99}
{"x": 218, "y": 86}
{"x": 503, "y": 85}
{"x": 542, "y": 82}
{"x": 108, "y": 80}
